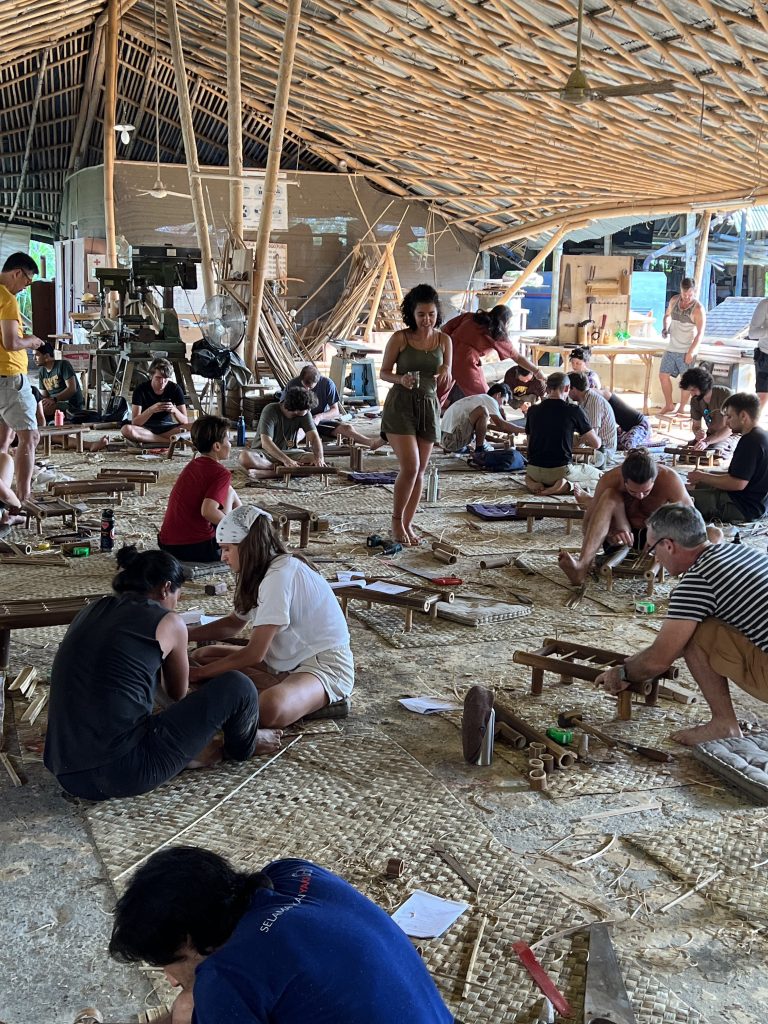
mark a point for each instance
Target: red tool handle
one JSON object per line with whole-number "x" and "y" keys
{"x": 542, "y": 979}
{"x": 446, "y": 581}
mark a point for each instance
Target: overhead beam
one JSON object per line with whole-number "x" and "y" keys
{"x": 235, "y": 118}
{"x": 282, "y": 94}
{"x": 30, "y": 134}
{"x": 533, "y": 266}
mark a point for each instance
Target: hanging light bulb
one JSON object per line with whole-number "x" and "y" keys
{"x": 125, "y": 132}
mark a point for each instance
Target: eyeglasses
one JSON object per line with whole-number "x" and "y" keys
{"x": 29, "y": 277}
{"x": 653, "y": 547}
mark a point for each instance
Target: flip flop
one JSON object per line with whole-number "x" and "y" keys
{"x": 478, "y": 706}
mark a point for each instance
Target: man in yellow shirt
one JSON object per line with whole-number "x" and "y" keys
{"x": 18, "y": 408}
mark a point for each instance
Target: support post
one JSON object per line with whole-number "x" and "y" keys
{"x": 534, "y": 265}
{"x": 280, "y": 110}
{"x": 701, "y": 255}
{"x": 235, "y": 118}
{"x": 110, "y": 140}
{"x": 740, "y": 257}
{"x": 690, "y": 243}
{"x": 554, "y": 302}
{"x": 190, "y": 149}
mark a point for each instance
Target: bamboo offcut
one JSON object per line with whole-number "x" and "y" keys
{"x": 564, "y": 758}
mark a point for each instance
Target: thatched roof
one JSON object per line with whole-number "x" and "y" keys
{"x": 393, "y": 89}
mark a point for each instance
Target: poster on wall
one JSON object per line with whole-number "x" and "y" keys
{"x": 253, "y": 197}
{"x": 277, "y": 260}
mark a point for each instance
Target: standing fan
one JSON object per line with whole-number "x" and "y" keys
{"x": 222, "y": 322}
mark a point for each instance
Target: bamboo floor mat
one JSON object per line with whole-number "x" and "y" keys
{"x": 350, "y": 803}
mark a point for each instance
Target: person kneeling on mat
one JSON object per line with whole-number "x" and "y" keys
{"x": 298, "y": 654}
{"x": 292, "y": 942}
{"x": 103, "y": 739}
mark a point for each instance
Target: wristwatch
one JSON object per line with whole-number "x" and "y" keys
{"x": 623, "y": 673}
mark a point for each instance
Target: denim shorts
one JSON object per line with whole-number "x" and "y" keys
{"x": 674, "y": 364}
{"x": 18, "y": 408}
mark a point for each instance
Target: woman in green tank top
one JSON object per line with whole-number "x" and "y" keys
{"x": 415, "y": 361}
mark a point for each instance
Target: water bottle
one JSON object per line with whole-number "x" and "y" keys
{"x": 107, "y": 529}
{"x": 433, "y": 485}
{"x": 241, "y": 431}
{"x": 58, "y": 418}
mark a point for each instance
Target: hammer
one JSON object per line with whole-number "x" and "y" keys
{"x": 574, "y": 720}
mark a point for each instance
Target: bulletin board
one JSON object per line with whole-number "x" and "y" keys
{"x": 593, "y": 288}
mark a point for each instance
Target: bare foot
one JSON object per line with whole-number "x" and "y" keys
{"x": 97, "y": 446}
{"x": 268, "y": 741}
{"x": 413, "y": 538}
{"x": 9, "y": 519}
{"x": 399, "y": 533}
{"x": 711, "y": 730}
{"x": 212, "y": 754}
{"x": 571, "y": 567}
{"x": 533, "y": 487}
{"x": 668, "y": 410}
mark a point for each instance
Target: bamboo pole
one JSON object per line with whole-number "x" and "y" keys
{"x": 535, "y": 263}
{"x": 88, "y": 87}
{"x": 30, "y": 133}
{"x": 190, "y": 149}
{"x": 701, "y": 252}
{"x": 235, "y": 117}
{"x": 282, "y": 94}
{"x": 110, "y": 139}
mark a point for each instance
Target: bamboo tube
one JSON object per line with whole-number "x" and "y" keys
{"x": 110, "y": 139}
{"x": 234, "y": 117}
{"x": 563, "y": 757}
{"x": 444, "y": 557}
{"x": 449, "y": 549}
{"x": 701, "y": 252}
{"x": 282, "y": 94}
{"x": 494, "y": 563}
{"x": 190, "y": 149}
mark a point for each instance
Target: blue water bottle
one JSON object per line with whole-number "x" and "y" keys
{"x": 241, "y": 431}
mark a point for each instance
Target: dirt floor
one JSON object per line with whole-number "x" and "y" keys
{"x": 615, "y": 839}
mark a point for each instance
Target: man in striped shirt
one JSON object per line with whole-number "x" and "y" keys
{"x": 597, "y": 410}
{"x": 716, "y": 620}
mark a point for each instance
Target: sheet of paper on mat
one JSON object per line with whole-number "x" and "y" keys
{"x": 192, "y": 618}
{"x": 349, "y": 577}
{"x": 424, "y": 916}
{"x": 429, "y": 705}
{"x": 387, "y": 588}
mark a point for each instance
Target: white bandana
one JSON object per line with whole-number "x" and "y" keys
{"x": 235, "y": 526}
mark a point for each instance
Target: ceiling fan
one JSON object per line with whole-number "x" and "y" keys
{"x": 158, "y": 190}
{"x": 577, "y": 89}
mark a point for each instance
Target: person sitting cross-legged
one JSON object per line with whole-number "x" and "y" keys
{"x": 158, "y": 407}
{"x": 741, "y": 493}
{"x": 715, "y": 620}
{"x": 58, "y": 382}
{"x": 598, "y": 411}
{"x": 327, "y": 412}
{"x": 619, "y": 510}
{"x": 551, "y": 426}
{"x": 707, "y": 400}
{"x": 292, "y": 943}
{"x": 278, "y": 433}
{"x": 472, "y": 417}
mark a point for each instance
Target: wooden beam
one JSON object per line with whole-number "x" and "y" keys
{"x": 235, "y": 118}
{"x": 88, "y": 85}
{"x": 701, "y": 252}
{"x": 30, "y": 133}
{"x": 535, "y": 263}
{"x": 282, "y": 94}
{"x": 110, "y": 140}
{"x": 190, "y": 149}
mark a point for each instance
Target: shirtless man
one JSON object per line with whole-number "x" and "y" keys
{"x": 619, "y": 510}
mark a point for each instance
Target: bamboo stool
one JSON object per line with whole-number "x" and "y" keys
{"x": 47, "y": 507}
{"x": 142, "y": 477}
{"x": 578, "y": 661}
{"x": 687, "y": 455}
{"x": 288, "y": 472}
{"x": 286, "y": 514}
{"x": 75, "y": 430}
{"x": 533, "y": 510}
{"x": 639, "y": 566}
{"x": 417, "y": 599}
{"x": 107, "y": 485}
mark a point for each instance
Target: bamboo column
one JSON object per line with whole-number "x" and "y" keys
{"x": 190, "y": 148}
{"x": 235, "y": 118}
{"x": 110, "y": 140}
{"x": 535, "y": 263}
{"x": 701, "y": 254}
{"x": 280, "y": 110}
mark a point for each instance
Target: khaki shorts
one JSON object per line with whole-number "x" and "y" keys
{"x": 335, "y": 669}
{"x": 546, "y": 475}
{"x": 18, "y": 408}
{"x": 734, "y": 656}
{"x": 455, "y": 440}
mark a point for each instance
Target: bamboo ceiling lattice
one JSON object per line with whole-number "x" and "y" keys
{"x": 396, "y": 90}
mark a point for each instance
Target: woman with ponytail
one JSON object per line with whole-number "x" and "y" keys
{"x": 298, "y": 653}
{"x": 103, "y": 739}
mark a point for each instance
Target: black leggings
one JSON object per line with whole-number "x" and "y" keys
{"x": 173, "y": 737}
{"x": 203, "y": 551}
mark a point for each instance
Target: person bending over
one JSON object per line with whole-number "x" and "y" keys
{"x": 617, "y": 514}
{"x": 416, "y": 361}
{"x": 597, "y": 410}
{"x": 103, "y": 739}
{"x": 327, "y": 412}
{"x": 201, "y": 497}
{"x": 58, "y": 382}
{"x": 707, "y": 400}
{"x": 472, "y": 417}
{"x": 740, "y": 494}
{"x": 525, "y": 387}
{"x": 278, "y": 433}
{"x": 158, "y": 409}
{"x": 290, "y": 944}
{"x": 551, "y": 426}
{"x": 716, "y": 620}
{"x": 298, "y": 652}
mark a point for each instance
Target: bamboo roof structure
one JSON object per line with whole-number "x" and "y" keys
{"x": 398, "y": 91}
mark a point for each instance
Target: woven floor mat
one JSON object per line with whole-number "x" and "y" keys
{"x": 368, "y": 800}
{"x": 736, "y": 846}
{"x": 427, "y": 632}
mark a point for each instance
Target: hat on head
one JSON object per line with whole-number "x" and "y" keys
{"x": 236, "y": 525}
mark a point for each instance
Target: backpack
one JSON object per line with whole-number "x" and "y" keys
{"x": 503, "y": 461}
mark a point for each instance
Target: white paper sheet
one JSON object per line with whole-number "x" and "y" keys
{"x": 198, "y": 618}
{"x": 424, "y": 916}
{"x": 387, "y": 588}
{"x": 429, "y": 705}
{"x": 347, "y": 576}
{"x": 341, "y": 584}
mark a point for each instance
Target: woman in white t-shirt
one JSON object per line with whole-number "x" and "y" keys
{"x": 298, "y": 654}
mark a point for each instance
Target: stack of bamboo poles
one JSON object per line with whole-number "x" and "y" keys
{"x": 368, "y": 300}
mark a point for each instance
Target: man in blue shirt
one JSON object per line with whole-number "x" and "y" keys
{"x": 287, "y": 945}
{"x": 327, "y": 413}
